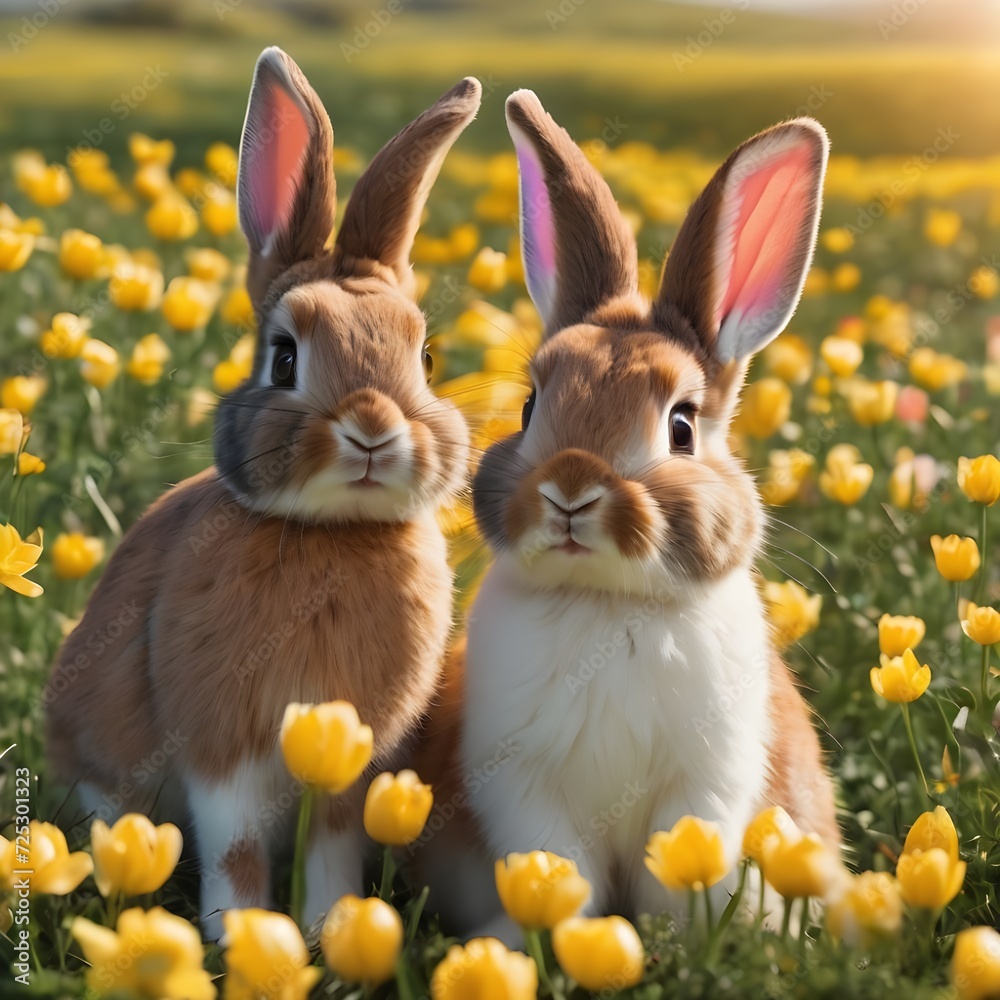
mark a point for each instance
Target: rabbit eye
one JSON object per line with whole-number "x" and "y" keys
{"x": 529, "y": 406}
{"x": 283, "y": 365}
{"x": 428, "y": 364}
{"x": 682, "y": 431}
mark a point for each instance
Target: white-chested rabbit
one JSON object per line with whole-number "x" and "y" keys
{"x": 618, "y": 641}
{"x": 307, "y": 564}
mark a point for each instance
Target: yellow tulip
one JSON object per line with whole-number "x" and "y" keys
{"x": 171, "y": 217}
{"x": 984, "y": 282}
{"x": 600, "y": 953}
{"x": 488, "y": 270}
{"x": 791, "y": 611}
{"x": 149, "y": 356}
{"x": 135, "y": 287}
{"x": 898, "y": 633}
{"x": 207, "y": 264}
{"x": 765, "y": 830}
{"x": 864, "y": 908}
{"x": 397, "y": 807}
{"x": 219, "y": 213}
{"x": 74, "y": 555}
{"x": 975, "y": 964}
{"x": 81, "y": 254}
{"x": 484, "y": 969}
{"x": 689, "y": 856}
{"x": 540, "y": 888}
{"x": 766, "y": 405}
{"x": 221, "y": 160}
{"x": 933, "y": 829}
{"x": 153, "y": 955}
{"x": 957, "y": 559}
{"x": 845, "y": 277}
{"x": 189, "y": 302}
{"x": 929, "y": 879}
{"x": 65, "y": 337}
{"x": 803, "y": 867}
{"x": 786, "y": 472}
{"x": 789, "y": 358}
{"x": 238, "y": 309}
{"x": 979, "y": 478}
{"x": 18, "y": 557}
{"x": 846, "y": 484}
{"x": 872, "y": 403}
{"x": 981, "y": 624}
{"x": 54, "y": 871}
{"x": 49, "y": 186}
{"x": 15, "y": 249}
{"x": 838, "y": 240}
{"x": 11, "y": 430}
{"x": 900, "y": 679}
{"x": 143, "y": 149}
{"x": 325, "y": 745}
{"x": 266, "y": 957}
{"x": 152, "y": 181}
{"x": 9, "y": 219}
{"x": 133, "y": 857}
{"x": 362, "y": 939}
{"x": 29, "y": 465}
{"x": 842, "y": 355}
{"x": 22, "y": 392}
{"x": 942, "y": 226}
{"x": 936, "y": 371}
{"x": 99, "y": 363}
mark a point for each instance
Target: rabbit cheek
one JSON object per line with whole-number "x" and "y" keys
{"x": 632, "y": 520}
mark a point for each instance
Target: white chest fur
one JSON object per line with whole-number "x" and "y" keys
{"x": 623, "y": 714}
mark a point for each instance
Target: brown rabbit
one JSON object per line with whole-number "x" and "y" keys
{"x": 618, "y": 645}
{"x": 307, "y": 564}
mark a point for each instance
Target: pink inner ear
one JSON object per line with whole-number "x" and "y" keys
{"x": 538, "y": 237}
{"x": 276, "y": 153}
{"x": 767, "y": 244}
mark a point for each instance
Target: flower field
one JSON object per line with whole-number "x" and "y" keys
{"x": 872, "y": 425}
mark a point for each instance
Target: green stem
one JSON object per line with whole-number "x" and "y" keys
{"x": 986, "y": 680}
{"x": 415, "y": 912}
{"x": 719, "y": 931}
{"x": 786, "y": 920}
{"x": 403, "y": 980}
{"x": 388, "y": 874}
{"x": 804, "y": 929}
{"x": 709, "y": 915}
{"x": 984, "y": 566}
{"x": 762, "y": 902}
{"x": 533, "y": 943}
{"x": 299, "y": 862}
{"x": 113, "y": 907}
{"x": 913, "y": 746}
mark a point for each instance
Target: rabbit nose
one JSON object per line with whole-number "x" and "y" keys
{"x": 582, "y": 501}
{"x": 370, "y": 443}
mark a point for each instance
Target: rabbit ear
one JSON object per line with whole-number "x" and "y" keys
{"x": 383, "y": 212}
{"x": 285, "y": 190}
{"x": 578, "y": 251}
{"x": 739, "y": 262}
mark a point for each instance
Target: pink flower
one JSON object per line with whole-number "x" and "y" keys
{"x": 912, "y": 404}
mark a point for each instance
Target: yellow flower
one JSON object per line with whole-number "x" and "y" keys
{"x": 189, "y": 302}
{"x": 942, "y": 226}
{"x": 765, "y": 407}
{"x": 22, "y": 392}
{"x": 74, "y": 555}
{"x": 219, "y": 211}
{"x": 786, "y": 472}
{"x": 172, "y": 217}
{"x": 266, "y": 958}
{"x": 838, "y": 240}
{"x": 789, "y": 358}
{"x": 865, "y": 907}
{"x": 54, "y": 870}
{"x": 975, "y": 964}
{"x": 99, "y": 363}
{"x": 18, "y": 557}
{"x": 872, "y": 403}
{"x": 843, "y": 356}
{"x": 28, "y": 465}
{"x": 221, "y": 160}
{"x": 957, "y": 559}
{"x": 15, "y": 249}
{"x": 981, "y": 625}
{"x": 153, "y": 955}
{"x": 600, "y": 953}
{"x": 766, "y": 829}
{"x": 143, "y": 149}
{"x": 540, "y": 888}
{"x": 49, "y": 185}
{"x": 488, "y": 270}
{"x": 979, "y": 478}
{"x": 133, "y": 856}
{"x": 65, "y": 337}
{"x": 149, "y": 356}
{"x": 238, "y": 309}
{"x": 791, "y": 611}
{"x": 846, "y": 483}
{"x": 936, "y": 371}
{"x": 929, "y": 879}
{"x": 152, "y": 181}
{"x": 898, "y": 633}
{"x": 362, "y": 939}
{"x": 984, "y": 282}
{"x": 325, "y": 745}
{"x": 845, "y": 278}
{"x": 397, "y": 807}
{"x": 207, "y": 264}
{"x": 135, "y": 287}
{"x": 81, "y": 255}
{"x": 933, "y": 829}
{"x": 900, "y": 679}
{"x": 9, "y": 219}
{"x": 484, "y": 970}
{"x": 11, "y": 430}
{"x": 690, "y": 856}
{"x": 802, "y": 867}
